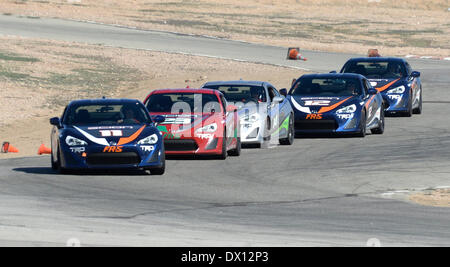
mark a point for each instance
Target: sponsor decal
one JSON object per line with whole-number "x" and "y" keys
{"x": 204, "y": 136}
{"x": 314, "y": 117}
{"x": 344, "y": 116}
{"x": 109, "y": 133}
{"x": 317, "y": 102}
{"x": 147, "y": 148}
{"x": 177, "y": 121}
{"x": 77, "y": 149}
{"x": 110, "y": 128}
{"x": 395, "y": 97}
{"x": 113, "y": 149}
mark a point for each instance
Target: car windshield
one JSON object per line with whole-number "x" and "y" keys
{"x": 177, "y": 103}
{"x": 104, "y": 114}
{"x": 376, "y": 70}
{"x": 327, "y": 87}
{"x": 241, "y": 93}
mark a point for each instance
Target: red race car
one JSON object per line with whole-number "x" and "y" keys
{"x": 197, "y": 122}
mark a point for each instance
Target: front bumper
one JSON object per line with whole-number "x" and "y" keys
{"x": 252, "y": 133}
{"x": 329, "y": 123}
{"x": 198, "y": 145}
{"x": 395, "y": 102}
{"x": 100, "y": 157}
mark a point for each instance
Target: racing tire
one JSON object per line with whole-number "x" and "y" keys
{"x": 418, "y": 110}
{"x": 237, "y": 151}
{"x": 161, "y": 170}
{"x": 291, "y": 133}
{"x": 380, "y": 128}
{"x": 224, "y": 153}
{"x": 53, "y": 163}
{"x": 409, "y": 111}
{"x": 362, "y": 125}
{"x": 266, "y": 135}
{"x": 58, "y": 166}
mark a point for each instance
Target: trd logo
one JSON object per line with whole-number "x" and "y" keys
{"x": 314, "y": 116}
{"x": 113, "y": 149}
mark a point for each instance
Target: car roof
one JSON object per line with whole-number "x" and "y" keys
{"x": 185, "y": 90}
{"x": 104, "y": 101}
{"x": 332, "y": 76}
{"x": 377, "y": 59}
{"x": 236, "y": 82}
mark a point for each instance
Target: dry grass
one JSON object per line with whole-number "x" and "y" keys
{"x": 39, "y": 77}
{"x": 436, "y": 198}
{"x": 395, "y": 27}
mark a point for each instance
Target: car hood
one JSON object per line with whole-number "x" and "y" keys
{"x": 111, "y": 135}
{"x": 384, "y": 84}
{"x": 175, "y": 123}
{"x": 320, "y": 104}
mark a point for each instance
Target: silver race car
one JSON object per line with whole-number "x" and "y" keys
{"x": 265, "y": 114}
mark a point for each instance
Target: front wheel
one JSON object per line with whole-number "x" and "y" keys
{"x": 224, "y": 153}
{"x": 380, "y": 129}
{"x": 418, "y": 110}
{"x": 362, "y": 125}
{"x": 409, "y": 111}
{"x": 289, "y": 140}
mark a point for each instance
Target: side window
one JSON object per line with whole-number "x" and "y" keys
{"x": 366, "y": 87}
{"x": 271, "y": 93}
{"x": 408, "y": 69}
{"x": 276, "y": 92}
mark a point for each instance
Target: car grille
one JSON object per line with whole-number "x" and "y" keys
{"x": 113, "y": 158}
{"x": 180, "y": 145}
{"x": 316, "y": 125}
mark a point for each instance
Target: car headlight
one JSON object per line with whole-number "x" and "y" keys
{"x": 250, "y": 118}
{"x": 210, "y": 128}
{"x": 397, "y": 90}
{"x": 347, "y": 109}
{"x": 149, "y": 140}
{"x": 72, "y": 141}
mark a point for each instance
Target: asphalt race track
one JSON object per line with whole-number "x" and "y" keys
{"x": 320, "y": 191}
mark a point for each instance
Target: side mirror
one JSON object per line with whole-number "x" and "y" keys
{"x": 158, "y": 119}
{"x": 373, "y": 91}
{"x": 415, "y": 74}
{"x": 333, "y": 71}
{"x": 283, "y": 92}
{"x": 277, "y": 99}
{"x": 55, "y": 122}
{"x": 231, "y": 108}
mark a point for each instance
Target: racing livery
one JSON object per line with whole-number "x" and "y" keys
{"x": 106, "y": 134}
{"x": 336, "y": 103}
{"x": 399, "y": 85}
{"x": 264, "y": 113}
{"x": 197, "y": 121}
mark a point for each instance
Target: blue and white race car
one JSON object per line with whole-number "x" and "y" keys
{"x": 336, "y": 103}
{"x": 107, "y": 134}
{"x": 399, "y": 85}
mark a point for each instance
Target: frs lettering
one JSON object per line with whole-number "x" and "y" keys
{"x": 314, "y": 116}
{"x": 113, "y": 149}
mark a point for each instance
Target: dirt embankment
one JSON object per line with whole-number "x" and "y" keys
{"x": 39, "y": 77}
{"x": 396, "y": 28}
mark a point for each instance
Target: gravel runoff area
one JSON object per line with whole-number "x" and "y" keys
{"x": 398, "y": 28}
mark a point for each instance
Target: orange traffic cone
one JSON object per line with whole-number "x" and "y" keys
{"x": 44, "y": 150}
{"x": 293, "y": 53}
{"x": 8, "y": 148}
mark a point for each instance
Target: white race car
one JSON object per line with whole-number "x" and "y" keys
{"x": 265, "y": 114}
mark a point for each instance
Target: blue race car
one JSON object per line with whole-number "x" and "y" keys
{"x": 399, "y": 85}
{"x": 107, "y": 134}
{"x": 336, "y": 103}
